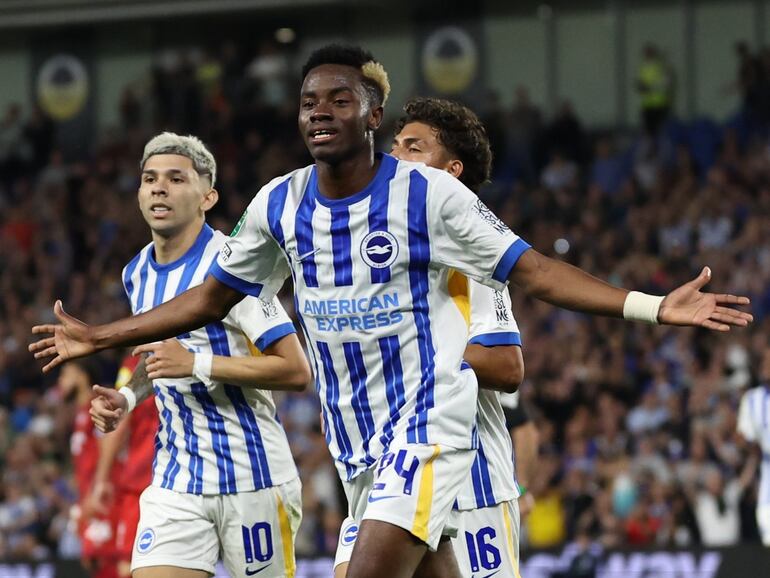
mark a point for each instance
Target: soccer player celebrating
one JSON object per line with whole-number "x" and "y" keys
{"x": 370, "y": 243}
{"x": 223, "y": 480}
{"x": 448, "y": 136}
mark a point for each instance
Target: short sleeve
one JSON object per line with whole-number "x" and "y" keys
{"x": 469, "y": 237}
{"x": 263, "y": 321}
{"x": 492, "y": 321}
{"x": 746, "y": 426}
{"x": 251, "y": 261}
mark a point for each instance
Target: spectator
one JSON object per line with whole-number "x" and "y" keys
{"x": 655, "y": 84}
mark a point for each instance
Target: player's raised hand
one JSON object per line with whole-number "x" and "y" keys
{"x": 107, "y": 408}
{"x": 166, "y": 359}
{"x": 687, "y": 305}
{"x": 71, "y": 339}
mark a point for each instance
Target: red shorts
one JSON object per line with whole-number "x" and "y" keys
{"x": 126, "y": 520}
{"x": 97, "y": 538}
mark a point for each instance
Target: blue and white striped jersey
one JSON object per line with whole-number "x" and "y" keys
{"x": 492, "y": 479}
{"x": 213, "y": 438}
{"x": 754, "y": 426}
{"x": 371, "y": 281}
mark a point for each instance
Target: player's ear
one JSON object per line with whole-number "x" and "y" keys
{"x": 209, "y": 199}
{"x": 455, "y": 168}
{"x": 375, "y": 117}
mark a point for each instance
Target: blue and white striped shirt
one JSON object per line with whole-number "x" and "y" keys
{"x": 754, "y": 426}
{"x": 492, "y": 480}
{"x": 213, "y": 438}
{"x": 371, "y": 281}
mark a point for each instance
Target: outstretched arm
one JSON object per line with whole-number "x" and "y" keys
{"x": 208, "y": 302}
{"x": 282, "y": 366}
{"x": 562, "y": 284}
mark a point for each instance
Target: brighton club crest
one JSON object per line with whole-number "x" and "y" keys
{"x": 379, "y": 249}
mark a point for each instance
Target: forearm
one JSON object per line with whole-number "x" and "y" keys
{"x": 109, "y": 446}
{"x": 265, "y": 372}
{"x": 566, "y": 286}
{"x": 525, "y": 446}
{"x": 140, "y": 383}
{"x": 192, "y": 309}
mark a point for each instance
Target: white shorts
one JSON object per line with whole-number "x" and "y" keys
{"x": 488, "y": 541}
{"x": 252, "y": 532}
{"x": 763, "y": 521}
{"x": 347, "y": 539}
{"x": 413, "y": 487}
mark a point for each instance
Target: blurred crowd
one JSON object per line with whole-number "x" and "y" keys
{"x": 637, "y": 424}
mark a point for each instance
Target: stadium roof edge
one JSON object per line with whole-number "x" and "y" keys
{"x": 40, "y": 13}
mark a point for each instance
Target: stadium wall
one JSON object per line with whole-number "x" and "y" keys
{"x": 554, "y": 49}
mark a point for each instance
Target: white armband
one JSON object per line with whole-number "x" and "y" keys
{"x": 202, "y": 367}
{"x": 130, "y": 396}
{"x": 642, "y": 307}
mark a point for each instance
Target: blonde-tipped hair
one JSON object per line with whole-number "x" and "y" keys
{"x": 375, "y": 79}
{"x": 375, "y": 72}
{"x": 169, "y": 143}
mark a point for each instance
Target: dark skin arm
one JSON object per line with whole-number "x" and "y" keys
{"x": 562, "y": 284}
{"x": 203, "y": 304}
{"x": 566, "y": 286}
{"x": 499, "y": 368}
{"x": 539, "y": 276}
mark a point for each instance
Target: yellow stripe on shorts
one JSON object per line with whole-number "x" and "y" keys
{"x": 509, "y": 536}
{"x": 287, "y": 538}
{"x": 425, "y": 498}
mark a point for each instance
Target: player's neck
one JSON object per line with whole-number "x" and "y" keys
{"x": 348, "y": 177}
{"x": 170, "y": 248}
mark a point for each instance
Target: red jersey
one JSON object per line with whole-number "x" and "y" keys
{"x": 85, "y": 449}
{"x": 136, "y": 470}
{"x": 136, "y": 473}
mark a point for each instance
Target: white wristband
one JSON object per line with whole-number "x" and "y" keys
{"x": 130, "y": 396}
{"x": 202, "y": 366}
{"x": 642, "y": 307}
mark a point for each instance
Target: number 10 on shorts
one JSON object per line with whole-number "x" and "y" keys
{"x": 257, "y": 542}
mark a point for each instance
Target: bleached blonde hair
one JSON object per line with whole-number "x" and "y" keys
{"x": 170, "y": 143}
{"x": 376, "y": 72}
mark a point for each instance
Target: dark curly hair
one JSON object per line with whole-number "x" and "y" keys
{"x": 348, "y": 55}
{"x": 459, "y": 130}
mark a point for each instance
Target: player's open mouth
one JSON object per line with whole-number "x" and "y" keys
{"x": 321, "y": 136}
{"x": 159, "y": 210}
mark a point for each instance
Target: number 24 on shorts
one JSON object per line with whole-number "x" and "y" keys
{"x": 405, "y": 466}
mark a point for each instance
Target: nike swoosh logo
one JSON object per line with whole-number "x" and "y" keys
{"x": 304, "y": 256}
{"x": 487, "y": 576}
{"x": 378, "y": 498}
{"x": 250, "y": 572}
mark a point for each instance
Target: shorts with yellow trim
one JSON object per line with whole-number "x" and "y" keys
{"x": 252, "y": 532}
{"x": 412, "y": 486}
{"x": 487, "y": 541}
